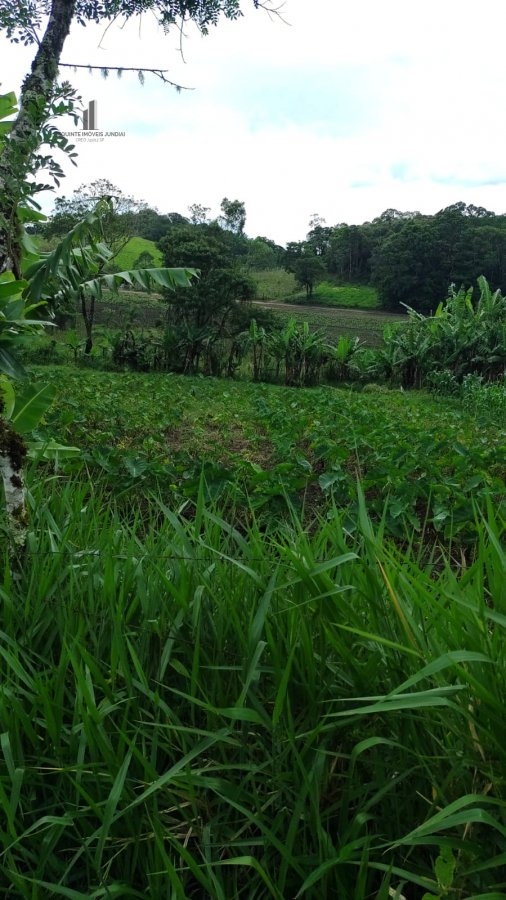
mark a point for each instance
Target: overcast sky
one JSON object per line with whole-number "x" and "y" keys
{"x": 342, "y": 109}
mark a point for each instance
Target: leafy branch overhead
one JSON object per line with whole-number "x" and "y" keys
{"x": 22, "y": 18}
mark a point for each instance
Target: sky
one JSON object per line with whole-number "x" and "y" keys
{"x": 341, "y": 109}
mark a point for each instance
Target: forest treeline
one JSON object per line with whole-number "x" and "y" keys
{"x": 408, "y": 257}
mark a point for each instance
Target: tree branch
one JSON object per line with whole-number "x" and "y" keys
{"x": 160, "y": 73}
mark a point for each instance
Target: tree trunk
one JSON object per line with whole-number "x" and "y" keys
{"x": 24, "y": 139}
{"x": 12, "y": 457}
{"x": 89, "y": 317}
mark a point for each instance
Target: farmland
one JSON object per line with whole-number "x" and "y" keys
{"x": 240, "y": 600}
{"x": 419, "y": 465}
{"x": 367, "y": 325}
{"x": 253, "y": 639}
{"x": 333, "y": 321}
{"x": 253, "y": 596}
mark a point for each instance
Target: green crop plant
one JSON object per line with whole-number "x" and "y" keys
{"x": 189, "y": 708}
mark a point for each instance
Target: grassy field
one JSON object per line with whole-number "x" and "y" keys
{"x": 276, "y": 284}
{"x": 133, "y": 249}
{"x": 254, "y": 647}
{"x": 347, "y": 296}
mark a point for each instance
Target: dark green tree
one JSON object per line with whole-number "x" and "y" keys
{"x": 410, "y": 267}
{"x": 260, "y": 255}
{"x": 308, "y": 271}
{"x": 294, "y": 251}
{"x": 349, "y": 253}
{"x": 221, "y": 287}
{"x": 233, "y": 215}
{"x": 152, "y": 225}
{"x": 318, "y": 236}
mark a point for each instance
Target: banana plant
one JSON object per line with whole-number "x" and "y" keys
{"x": 341, "y": 356}
{"x": 73, "y": 274}
{"x": 70, "y": 272}
{"x": 255, "y": 339}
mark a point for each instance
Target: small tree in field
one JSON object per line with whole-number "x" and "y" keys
{"x": 308, "y": 271}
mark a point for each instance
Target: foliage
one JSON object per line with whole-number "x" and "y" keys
{"x": 462, "y": 338}
{"x": 21, "y": 19}
{"x": 424, "y": 465}
{"x": 118, "y": 221}
{"x": 420, "y": 257}
{"x": 233, "y": 215}
{"x": 261, "y": 256}
{"x": 340, "y": 359}
{"x": 73, "y": 272}
{"x": 190, "y": 709}
{"x": 409, "y": 268}
{"x": 17, "y": 322}
{"x": 211, "y": 312}
{"x": 308, "y": 270}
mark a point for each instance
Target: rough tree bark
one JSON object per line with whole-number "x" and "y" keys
{"x": 24, "y": 138}
{"x": 12, "y": 457}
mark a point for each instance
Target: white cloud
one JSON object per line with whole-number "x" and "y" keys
{"x": 348, "y": 110}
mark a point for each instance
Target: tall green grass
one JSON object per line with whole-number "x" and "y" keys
{"x": 189, "y": 710}
{"x": 273, "y": 284}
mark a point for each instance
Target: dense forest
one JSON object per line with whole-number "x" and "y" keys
{"x": 408, "y": 257}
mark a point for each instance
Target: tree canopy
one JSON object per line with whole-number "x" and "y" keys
{"x": 22, "y": 18}
{"x": 119, "y": 223}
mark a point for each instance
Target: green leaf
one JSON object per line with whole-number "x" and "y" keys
{"x": 9, "y": 365}
{"x": 11, "y": 288}
{"x": 9, "y": 397}
{"x": 445, "y": 868}
{"x": 51, "y": 450}
{"x": 146, "y": 279}
{"x": 31, "y": 405}
{"x": 8, "y": 105}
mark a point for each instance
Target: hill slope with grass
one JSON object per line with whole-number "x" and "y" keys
{"x": 127, "y": 257}
{"x": 277, "y": 284}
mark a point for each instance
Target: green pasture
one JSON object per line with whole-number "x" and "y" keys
{"x": 276, "y": 284}
{"x": 360, "y": 296}
{"x": 128, "y": 255}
